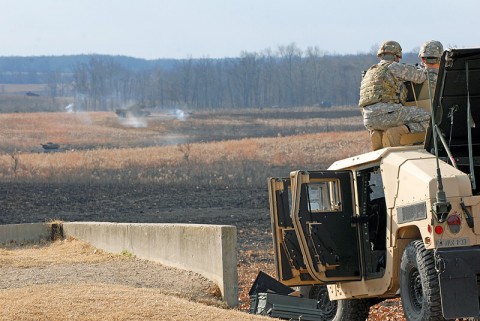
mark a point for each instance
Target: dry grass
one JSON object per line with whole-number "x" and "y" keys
{"x": 251, "y": 263}
{"x": 105, "y": 302}
{"x": 68, "y": 251}
{"x": 26, "y": 131}
{"x": 92, "y": 301}
{"x": 301, "y": 151}
{"x": 99, "y": 146}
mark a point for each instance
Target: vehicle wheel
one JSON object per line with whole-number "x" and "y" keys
{"x": 419, "y": 285}
{"x": 339, "y": 310}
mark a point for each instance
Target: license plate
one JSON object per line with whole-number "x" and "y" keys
{"x": 464, "y": 241}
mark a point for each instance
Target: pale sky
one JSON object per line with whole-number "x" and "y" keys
{"x": 154, "y": 29}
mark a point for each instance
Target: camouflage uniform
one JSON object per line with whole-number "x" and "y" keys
{"x": 383, "y": 93}
{"x": 431, "y": 53}
{"x": 432, "y": 76}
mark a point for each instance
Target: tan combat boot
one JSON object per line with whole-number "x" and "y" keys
{"x": 392, "y": 136}
{"x": 376, "y": 138}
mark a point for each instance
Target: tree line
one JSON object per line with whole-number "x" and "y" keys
{"x": 285, "y": 77}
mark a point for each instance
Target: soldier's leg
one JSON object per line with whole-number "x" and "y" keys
{"x": 392, "y": 115}
{"x": 418, "y": 127}
{"x": 415, "y": 118}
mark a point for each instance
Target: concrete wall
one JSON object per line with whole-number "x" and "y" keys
{"x": 21, "y": 233}
{"x": 209, "y": 250}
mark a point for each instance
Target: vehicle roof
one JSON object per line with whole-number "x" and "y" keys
{"x": 372, "y": 157}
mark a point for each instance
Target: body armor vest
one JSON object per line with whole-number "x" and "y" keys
{"x": 380, "y": 85}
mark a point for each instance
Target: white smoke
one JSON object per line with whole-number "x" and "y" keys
{"x": 69, "y": 108}
{"x": 180, "y": 114}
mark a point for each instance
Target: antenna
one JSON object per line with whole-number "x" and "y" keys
{"x": 441, "y": 207}
{"x": 470, "y": 125}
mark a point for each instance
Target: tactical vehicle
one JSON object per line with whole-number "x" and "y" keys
{"x": 400, "y": 221}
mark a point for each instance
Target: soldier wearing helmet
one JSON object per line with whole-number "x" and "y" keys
{"x": 431, "y": 53}
{"x": 383, "y": 94}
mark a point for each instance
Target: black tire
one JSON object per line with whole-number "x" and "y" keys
{"x": 339, "y": 310}
{"x": 419, "y": 285}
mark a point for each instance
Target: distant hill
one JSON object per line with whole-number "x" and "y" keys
{"x": 35, "y": 69}
{"x": 15, "y": 68}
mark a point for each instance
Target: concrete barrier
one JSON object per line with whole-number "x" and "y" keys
{"x": 22, "y": 233}
{"x": 209, "y": 250}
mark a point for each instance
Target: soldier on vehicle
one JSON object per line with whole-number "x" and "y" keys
{"x": 382, "y": 98}
{"x": 431, "y": 53}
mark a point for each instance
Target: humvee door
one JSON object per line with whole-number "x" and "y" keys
{"x": 314, "y": 238}
{"x": 322, "y": 215}
{"x": 290, "y": 267}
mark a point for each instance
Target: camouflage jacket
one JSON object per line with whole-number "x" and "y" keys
{"x": 384, "y": 82}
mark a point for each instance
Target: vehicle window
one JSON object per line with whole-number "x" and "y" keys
{"x": 376, "y": 186}
{"x": 324, "y": 196}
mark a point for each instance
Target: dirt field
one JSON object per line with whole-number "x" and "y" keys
{"x": 247, "y": 209}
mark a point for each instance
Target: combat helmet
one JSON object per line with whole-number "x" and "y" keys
{"x": 390, "y": 47}
{"x": 431, "y": 51}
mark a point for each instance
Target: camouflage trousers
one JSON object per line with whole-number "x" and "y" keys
{"x": 382, "y": 116}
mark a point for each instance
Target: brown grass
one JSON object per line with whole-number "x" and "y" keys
{"x": 301, "y": 151}
{"x": 106, "y": 302}
{"x": 88, "y": 301}
{"x": 97, "y": 146}
{"x": 251, "y": 263}
{"x": 67, "y": 251}
{"x": 24, "y": 131}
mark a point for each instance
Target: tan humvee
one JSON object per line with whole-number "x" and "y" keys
{"x": 399, "y": 221}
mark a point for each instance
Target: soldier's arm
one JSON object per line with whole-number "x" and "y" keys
{"x": 407, "y": 72}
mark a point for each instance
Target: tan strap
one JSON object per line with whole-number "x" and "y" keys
{"x": 414, "y": 94}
